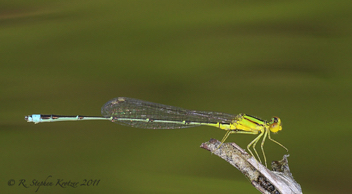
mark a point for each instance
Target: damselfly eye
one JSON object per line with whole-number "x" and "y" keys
{"x": 275, "y": 120}
{"x": 275, "y": 125}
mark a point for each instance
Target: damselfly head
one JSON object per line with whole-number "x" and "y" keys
{"x": 275, "y": 124}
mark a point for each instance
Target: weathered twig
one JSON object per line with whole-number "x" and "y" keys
{"x": 279, "y": 180}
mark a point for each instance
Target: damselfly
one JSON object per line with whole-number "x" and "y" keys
{"x": 149, "y": 115}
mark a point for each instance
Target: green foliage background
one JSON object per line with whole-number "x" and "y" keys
{"x": 290, "y": 59}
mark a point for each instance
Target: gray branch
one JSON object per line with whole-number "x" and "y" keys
{"x": 280, "y": 180}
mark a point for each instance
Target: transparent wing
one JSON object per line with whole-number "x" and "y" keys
{"x": 149, "y": 115}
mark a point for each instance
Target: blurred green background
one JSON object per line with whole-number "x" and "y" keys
{"x": 290, "y": 59}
